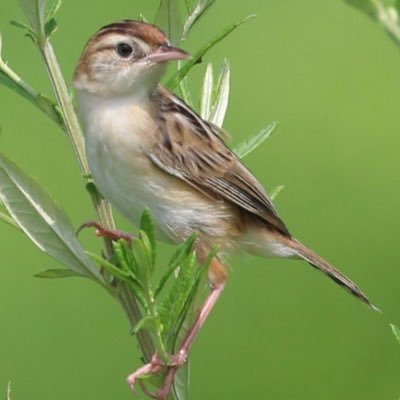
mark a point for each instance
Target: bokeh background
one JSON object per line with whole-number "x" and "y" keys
{"x": 331, "y": 78}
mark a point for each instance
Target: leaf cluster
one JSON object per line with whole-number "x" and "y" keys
{"x": 158, "y": 307}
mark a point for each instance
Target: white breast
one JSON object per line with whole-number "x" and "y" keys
{"x": 115, "y": 139}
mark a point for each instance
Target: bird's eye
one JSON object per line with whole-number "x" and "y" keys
{"x": 124, "y": 49}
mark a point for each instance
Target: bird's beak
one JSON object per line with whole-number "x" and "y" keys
{"x": 166, "y": 53}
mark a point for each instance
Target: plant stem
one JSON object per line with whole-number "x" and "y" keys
{"x": 103, "y": 208}
{"x": 70, "y": 120}
{"x": 132, "y": 310}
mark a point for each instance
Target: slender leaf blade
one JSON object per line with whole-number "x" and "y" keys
{"x": 52, "y": 9}
{"x": 222, "y": 96}
{"x": 276, "y": 191}
{"x": 195, "y": 13}
{"x": 42, "y": 220}
{"x": 182, "y": 72}
{"x": 207, "y": 93}
{"x": 169, "y": 19}
{"x": 147, "y": 225}
{"x": 250, "y": 144}
{"x": 35, "y": 12}
{"x": 396, "y": 332}
{"x": 56, "y": 273}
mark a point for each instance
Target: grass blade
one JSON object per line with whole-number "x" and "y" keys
{"x": 168, "y": 18}
{"x": 195, "y": 13}
{"x": 173, "y": 82}
{"x": 221, "y": 96}
{"x": 248, "y": 145}
{"x": 207, "y": 93}
{"x": 56, "y": 273}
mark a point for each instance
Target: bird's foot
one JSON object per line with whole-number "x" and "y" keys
{"x": 101, "y": 231}
{"x": 156, "y": 366}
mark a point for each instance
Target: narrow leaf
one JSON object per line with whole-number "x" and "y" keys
{"x": 9, "y": 390}
{"x": 147, "y": 322}
{"x": 180, "y": 386}
{"x": 11, "y": 80}
{"x": 35, "y": 12}
{"x": 42, "y": 220}
{"x": 111, "y": 268}
{"x": 195, "y": 13}
{"x": 250, "y": 144}
{"x": 222, "y": 96}
{"x": 56, "y": 273}
{"x": 147, "y": 225}
{"x": 6, "y": 218}
{"x": 23, "y": 26}
{"x": 168, "y": 18}
{"x": 276, "y": 191}
{"x": 182, "y": 72}
{"x": 189, "y": 5}
{"x": 396, "y": 332}
{"x": 52, "y": 9}
{"x": 50, "y": 27}
{"x": 207, "y": 93}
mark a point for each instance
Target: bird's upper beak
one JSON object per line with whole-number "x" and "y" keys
{"x": 166, "y": 53}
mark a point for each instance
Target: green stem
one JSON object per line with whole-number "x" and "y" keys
{"x": 70, "y": 120}
{"x": 159, "y": 343}
{"x": 103, "y": 208}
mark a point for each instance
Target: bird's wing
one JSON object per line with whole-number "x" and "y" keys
{"x": 194, "y": 151}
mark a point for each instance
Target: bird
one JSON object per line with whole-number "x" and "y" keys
{"x": 147, "y": 148}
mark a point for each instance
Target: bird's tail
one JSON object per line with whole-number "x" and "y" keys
{"x": 319, "y": 263}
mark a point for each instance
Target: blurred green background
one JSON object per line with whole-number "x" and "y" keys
{"x": 281, "y": 330}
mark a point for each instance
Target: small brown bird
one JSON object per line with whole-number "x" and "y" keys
{"x": 147, "y": 148}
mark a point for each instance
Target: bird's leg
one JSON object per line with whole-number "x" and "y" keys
{"x": 217, "y": 276}
{"x": 101, "y": 231}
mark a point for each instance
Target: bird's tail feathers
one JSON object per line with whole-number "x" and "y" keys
{"x": 319, "y": 263}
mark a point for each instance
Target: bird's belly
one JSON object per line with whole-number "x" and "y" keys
{"x": 131, "y": 182}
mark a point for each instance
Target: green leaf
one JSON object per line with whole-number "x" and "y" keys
{"x": 42, "y": 220}
{"x": 168, "y": 18}
{"x": 250, "y": 144}
{"x": 56, "y": 273}
{"x": 6, "y": 218}
{"x": 182, "y": 72}
{"x": 23, "y": 26}
{"x": 182, "y": 252}
{"x": 367, "y": 6}
{"x": 11, "y": 80}
{"x": 147, "y": 225}
{"x": 195, "y": 13}
{"x": 396, "y": 332}
{"x": 189, "y": 5}
{"x": 180, "y": 386}
{"x": 110, "y": 267}
{"x": 276, "y": 191}
{"x": 50, "y": 27}
{"x": 207, "y": 93}
{"x": 52, "y": 9}
{"x": 9, "y": 390}
{"x": 35, "y": 12}
{"x": 147, "y": 322}
{"x": 220, "y": 104}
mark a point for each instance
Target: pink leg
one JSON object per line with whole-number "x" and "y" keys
{"x": 113, "y": 234}
{"x": 180, "y": 357}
